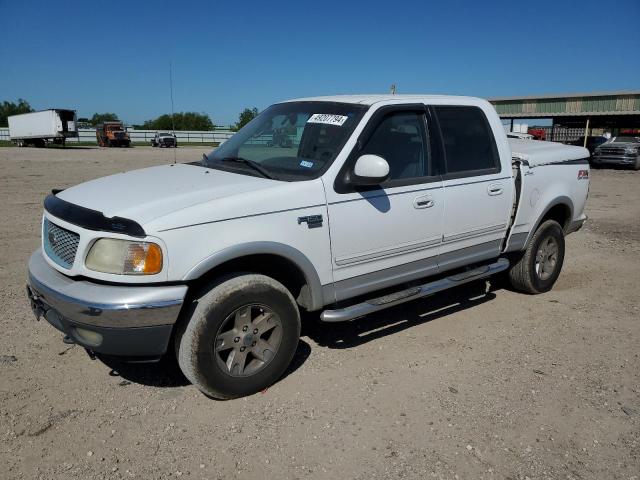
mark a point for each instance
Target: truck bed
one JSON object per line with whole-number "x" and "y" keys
{"x": 548, "y": 175}
{"x": 538, "y": 153}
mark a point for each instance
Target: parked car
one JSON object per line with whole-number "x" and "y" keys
{"x": 164, "y": 139}
{"x": 41, "y": 128}
{"x": 593, "y": 141}
{"x": 380, "y": 200}
{"x": 538, "y": 133}
{"x": 620, "y": 150}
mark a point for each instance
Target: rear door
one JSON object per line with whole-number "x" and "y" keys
{"x": 478, "y": 194}
{"x": 388, "y": 234}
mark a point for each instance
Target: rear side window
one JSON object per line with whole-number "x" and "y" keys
{"x": 469, "y": 146}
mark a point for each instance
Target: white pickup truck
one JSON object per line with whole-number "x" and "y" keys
{"x": 372, "y": 201}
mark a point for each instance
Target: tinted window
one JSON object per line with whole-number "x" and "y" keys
{"x": 468, "y": 140}
{"x": 400, "y": 140}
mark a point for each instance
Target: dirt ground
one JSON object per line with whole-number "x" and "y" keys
{"x": 472, "y": 384}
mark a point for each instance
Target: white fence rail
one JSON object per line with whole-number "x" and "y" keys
{"x": 145, "y": 136}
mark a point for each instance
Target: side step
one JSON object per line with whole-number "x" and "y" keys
{"x": 396, "y": 298}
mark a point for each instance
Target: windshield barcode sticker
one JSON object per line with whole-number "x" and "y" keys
{"x": 328, "y": 119}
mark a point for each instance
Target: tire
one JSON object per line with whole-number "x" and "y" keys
{"x": 637, "y": 165}
{"x": 213, "y": 337}
{"x": 537, "y": 270}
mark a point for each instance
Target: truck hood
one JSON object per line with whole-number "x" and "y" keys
{"x": 146, "y": 194}
{"x": 619, "y": 145}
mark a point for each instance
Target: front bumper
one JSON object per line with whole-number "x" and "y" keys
{"x": 615, "y": 159}
{"x": 118, "y": 320}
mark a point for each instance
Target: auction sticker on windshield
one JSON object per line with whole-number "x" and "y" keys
{"x": 328, "y": 119}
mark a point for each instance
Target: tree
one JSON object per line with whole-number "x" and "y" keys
{"x": 181, "y": 120}
{"x": 103, "y": 117}
{"x": 9, "y": 108}
{"x": 245, "y": 117}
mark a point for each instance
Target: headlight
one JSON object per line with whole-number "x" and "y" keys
{"x": 124, "y": 257}
{"x": 631, "y": 149}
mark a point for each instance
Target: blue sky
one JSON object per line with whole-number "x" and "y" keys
{"x": 114, "y": 56}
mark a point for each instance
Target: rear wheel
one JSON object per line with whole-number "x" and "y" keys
{"x": 537, "y": 270}
{"x": 240, "y": 337}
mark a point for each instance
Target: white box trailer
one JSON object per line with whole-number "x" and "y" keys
{"x": 41, "y": 128}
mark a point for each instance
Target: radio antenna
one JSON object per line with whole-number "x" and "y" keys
{"x": 173, "y": 123}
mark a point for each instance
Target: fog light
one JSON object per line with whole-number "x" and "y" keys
{"x": 89, "y": 337}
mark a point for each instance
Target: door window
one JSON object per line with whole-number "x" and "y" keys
{"x": 400, "y": 139}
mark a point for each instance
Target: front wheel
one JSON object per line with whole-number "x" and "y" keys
{"x": 240, "y": 336}
{"x": 537, "y": 270}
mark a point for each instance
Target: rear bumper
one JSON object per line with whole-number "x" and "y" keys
{"x": 576, "y": 225}
{"x": 130, "y": 321}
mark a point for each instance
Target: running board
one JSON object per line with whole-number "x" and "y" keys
{"x": 365, "y": 308}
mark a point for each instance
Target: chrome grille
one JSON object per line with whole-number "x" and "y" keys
{"x": 60, "y": 244}
{"x": 611, "y": 151}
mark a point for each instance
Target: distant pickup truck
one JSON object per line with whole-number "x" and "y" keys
{"x": 377, "y": 200}
{"x": 623, "y": 150}
{"x": 164, "y": 139}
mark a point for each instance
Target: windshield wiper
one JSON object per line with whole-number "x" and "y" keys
{"x": 255, "y": 165}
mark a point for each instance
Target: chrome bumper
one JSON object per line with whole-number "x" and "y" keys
{"x": 113, "y": 306}
{"x": 130, "y": 320}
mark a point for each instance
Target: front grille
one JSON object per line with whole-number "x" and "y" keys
{"x": 60, "y": 244}
{"x": 611, "y": 151}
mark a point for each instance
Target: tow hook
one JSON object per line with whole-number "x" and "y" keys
{"x": 36, "y": 305}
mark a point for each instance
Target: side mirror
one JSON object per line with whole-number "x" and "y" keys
{"x": 370, "y": 170}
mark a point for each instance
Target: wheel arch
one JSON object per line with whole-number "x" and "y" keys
{"x": 559, "y": 209}
{"x": 281, "y": 262}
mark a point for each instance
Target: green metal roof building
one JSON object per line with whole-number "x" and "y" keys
{"x": 612, "y": 111}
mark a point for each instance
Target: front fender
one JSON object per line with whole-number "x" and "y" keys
{"x": 264, "y": 248}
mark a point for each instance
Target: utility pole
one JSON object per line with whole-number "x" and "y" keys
{"x": 173, "y": 122}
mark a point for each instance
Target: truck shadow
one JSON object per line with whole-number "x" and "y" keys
{"x": 396, "y": 319}
{"x": 167, "y": 374}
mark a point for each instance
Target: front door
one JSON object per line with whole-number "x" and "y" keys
{"x": 392, "y": 233}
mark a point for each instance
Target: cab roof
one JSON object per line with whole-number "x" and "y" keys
{"x": 375, "y": 98}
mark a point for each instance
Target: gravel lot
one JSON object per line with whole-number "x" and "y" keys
{"x": 473, "y": 384}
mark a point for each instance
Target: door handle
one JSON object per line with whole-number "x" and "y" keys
{"x": 494, "y": 190}
{"x": 424, "y": 202}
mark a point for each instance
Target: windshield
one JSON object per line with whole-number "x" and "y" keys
{"x": 289, "y": 141}
{"x": 626, "y": 139}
